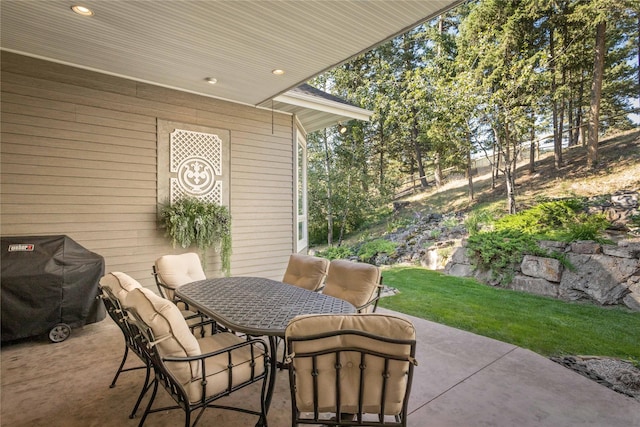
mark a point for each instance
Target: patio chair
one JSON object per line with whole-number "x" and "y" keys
{"x": 306, "y": 271}
{"x": 358, "y": 283}
{"x": 194, "y": 371}
{"x": 114, "y": 288}
{"x": 350, "y": 369}
{"x": 173, "y": 271}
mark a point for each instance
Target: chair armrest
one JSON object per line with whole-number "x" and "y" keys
{"x": 229, "y": 349}
{"x": 255, "y": 353}
{"x": 373, "y": 300}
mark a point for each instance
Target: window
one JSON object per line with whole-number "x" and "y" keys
{"x": 301, "y": 194}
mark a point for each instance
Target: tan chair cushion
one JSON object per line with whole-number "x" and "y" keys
{"x": 120, "y": 284}
{"x": 169, "y": 329}
{"x": 306, "y": 271}
{"x": 176, "y": 270}
{"x": 174, "y": 339}
{"x": 377, "y": 324}
{"x": 216, "y": 367}
{"x": 354, "y": 282}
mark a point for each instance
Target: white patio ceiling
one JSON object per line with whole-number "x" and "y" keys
{"x": 177, "y": 44}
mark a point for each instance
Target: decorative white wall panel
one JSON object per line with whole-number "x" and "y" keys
{"x": 195, "y": 165}
{"x": 193, "y": 161}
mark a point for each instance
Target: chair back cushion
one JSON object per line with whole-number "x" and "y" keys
{"x": 337, "y": 326}
{"x": 176, "y": 270}
{"x": 306, "y": 271}
{"x": 354, "y": 282}
{"x": 170, "y": 330}
{"x": 120, "y": 284}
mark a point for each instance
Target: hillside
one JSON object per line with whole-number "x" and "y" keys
{"x": 618, "y": 169}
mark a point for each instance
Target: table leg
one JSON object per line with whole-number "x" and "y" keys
{"x": 273, "y": 349}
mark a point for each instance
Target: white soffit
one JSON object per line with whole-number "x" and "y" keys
{"x": 177, "y": 44}
{"x": 315, "y": 109}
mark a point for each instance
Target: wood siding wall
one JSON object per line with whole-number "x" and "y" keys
{"x": 78, "y": 157}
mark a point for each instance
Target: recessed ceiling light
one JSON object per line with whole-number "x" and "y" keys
{"x": 211, "y": 80}
{"x": 277, "y": 72}
{"x": 82, "y": 10}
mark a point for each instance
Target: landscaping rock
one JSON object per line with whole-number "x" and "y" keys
{"x": 632, "y": 299}
{"x": 604, "y": 273}
{"x": 586, "y": 247}
{"x": 460, "y": 270}
{"x": 552, "y": 245}
{"x": 545, "y": 268}
{"x": 534, "y": 285}
{"x": 621, "y": 251}
{"x": 598, "y": 277}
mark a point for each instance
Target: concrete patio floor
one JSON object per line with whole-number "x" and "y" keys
{"x": 462, "y": 380}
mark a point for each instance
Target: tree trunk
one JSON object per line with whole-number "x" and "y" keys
{"x": 577, "y": 127}
{"x": 596, "y": 92}
{"x": 327, "y": 170}
{"x": 437, "y": 169}
{"x": 570, "y": 140}
{"x": 563, "y": 107}
{"x": 510, "y": 159}
{"x": 381, "y": 177}
{"x": 345, "y": 213}
{"x": 557, "y": 139}
{"x": 469, "y": 170}
{"x": 494, "y": 162}
{"x": 418, "y": 151}
{"x": 532, "y": 150}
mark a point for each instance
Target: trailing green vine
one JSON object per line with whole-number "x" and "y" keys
{"x": 193, "y": 221}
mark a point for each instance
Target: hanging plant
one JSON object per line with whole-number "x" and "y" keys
{"x": 193, "y": 221}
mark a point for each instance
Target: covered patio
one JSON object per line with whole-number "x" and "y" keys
{"x": 462, "y": 380}
{"x": 84, "y": 102}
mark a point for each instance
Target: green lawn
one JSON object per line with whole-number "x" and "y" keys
{"x": 547, "y": 326}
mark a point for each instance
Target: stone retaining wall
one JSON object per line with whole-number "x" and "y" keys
{"x": 603, "y": 274}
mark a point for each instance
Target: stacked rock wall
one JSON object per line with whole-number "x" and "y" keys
{"x": 603, "y": 274}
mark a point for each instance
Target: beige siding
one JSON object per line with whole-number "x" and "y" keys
{"x": 78, "y": 157}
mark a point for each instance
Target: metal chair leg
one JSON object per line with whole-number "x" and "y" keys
{"x": 148, "y": 409}
{"x": 143, "y": 391}
{"x": 124, "y": 359}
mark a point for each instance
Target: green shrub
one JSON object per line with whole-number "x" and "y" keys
{"x": 542, "y": 219}
{"x": 336, "y": 252}
{"x": 370, "y": 249}
{"x": 500, "y": 251}
{"x": 476, "y": 220}
{"x": 587, "y": 227}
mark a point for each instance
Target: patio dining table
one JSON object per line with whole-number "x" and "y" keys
{"x": 259, "y": 307}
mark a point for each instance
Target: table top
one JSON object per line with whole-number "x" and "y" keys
{"x": 255, "y": 305}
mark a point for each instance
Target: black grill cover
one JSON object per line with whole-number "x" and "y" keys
{"x": 47, "y": 280}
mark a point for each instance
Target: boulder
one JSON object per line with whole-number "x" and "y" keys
{"x": 544, "y": 268}
{"x": 552, "y": 245}
{"x": 534, "y": 285}
{"x": 459, "y": 256}
{"x": 622, "y": 251}
{"x": 586, "y": 247}
{"x": 632, "y": 299}
{"x": 459, "y": 270}
{"x": 598, "y": 277}
{"x": 430, "y": 259}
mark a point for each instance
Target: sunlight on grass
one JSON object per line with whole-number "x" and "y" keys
{"x": 544, "y": 325}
